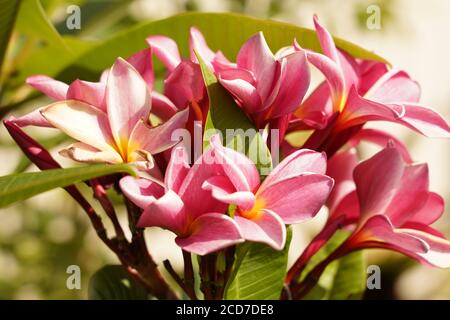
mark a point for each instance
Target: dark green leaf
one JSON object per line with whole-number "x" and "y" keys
{"x": 113, "y": 282}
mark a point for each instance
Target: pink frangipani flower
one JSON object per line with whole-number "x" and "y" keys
{"x": 120, "y": 130}
{"x": 293, "y": 192}
{"x": 362, "y": 91}
{"x": 393, "y": 209}
{"x": 265, "y": 86}
{"x": 183, "y": 207}
{"x": 183, "y": 84}
{"x": 93, "y": 93}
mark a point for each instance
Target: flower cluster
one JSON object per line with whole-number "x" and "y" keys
{"x": 219, "y": 199}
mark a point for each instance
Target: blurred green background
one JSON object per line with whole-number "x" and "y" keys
{"x": 41, "y": 237}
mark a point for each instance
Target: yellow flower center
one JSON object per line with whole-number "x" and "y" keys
{"x": 255, "y": 210}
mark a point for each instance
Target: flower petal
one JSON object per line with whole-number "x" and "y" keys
{"x": 166, "y": 50}
{"x": 240, "y": 84}
{"x": 128, "y": 100}
{"x": 142, "y": 62}
{"x": 167, "y": 212}
{"x": 431, "y": 211}
{"x": 82, "y": 122}
{"x": 177, "y": 169}
{"x": 298, "y": 198}
{"x": 317, "y": 108}
{"x": 198, "y": 200}
{"x": 394, "y": 86}
{"x": 340, "y": 168}
{"x": 198, "y": 43}
{"x": 379, "y": 232}
{"x": 359, "y": 110}
{"x": 222, "y": 189}
{"x": 210, "y": 232}
{"x": 33, "y": 118}
{"x": 293, "y": 82}
{"x": 82, "y": 152}
{"x": 438, "y": 254}
{"x": 300, "y": 162}
{"x": 266, "y": 228}
{"x": 411, "y": 195}
{"x": 52, "y": 88}
{"x": 185, "y": 84}
{"x": 425, "y": 121}
{"x": 162, "y": 107}
{"x": 377, "y": 180}
{"x": 326, "y": 41}
{"x": 142, "y": 192}
{"x": 92, "y": 93}
{"x": 237, "y": 167}
{"x": 159, "y": 138}
{"x": 255, "y": 56}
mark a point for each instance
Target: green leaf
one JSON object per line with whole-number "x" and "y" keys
{"x": 259, "y": 272}
{"x": 17, "y": 187}
{"x": 33, "y": 21}
{"x": 350, "y": 278}
{"x": 344, "y": 278}
{"x": 8, "y": 12}
{"x": 113, "y": 282}
{"x": 223, "y": 31}
{"x": 224, "y": 114}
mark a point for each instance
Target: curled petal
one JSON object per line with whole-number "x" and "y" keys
{"x": 267, "y": 227}
{"x": 317, "y": 108}
{"x": 167, "y": 212}
{"x": 255, "y": 56}
{"x": 142, "y": 192}
{"x": 240, "y": 84}
{"x": 210, "y": 232}
{"x": 82, "y": 152}
{"x": 237, "y": 167}
{"x": 222, "y": 189}
{"x": 379, "y": 232}
{"x": 425, "y": 121}
{"x": 33, "y": 118}
{"x": 166, "y": 50}
{"x": 438, "y": 254}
